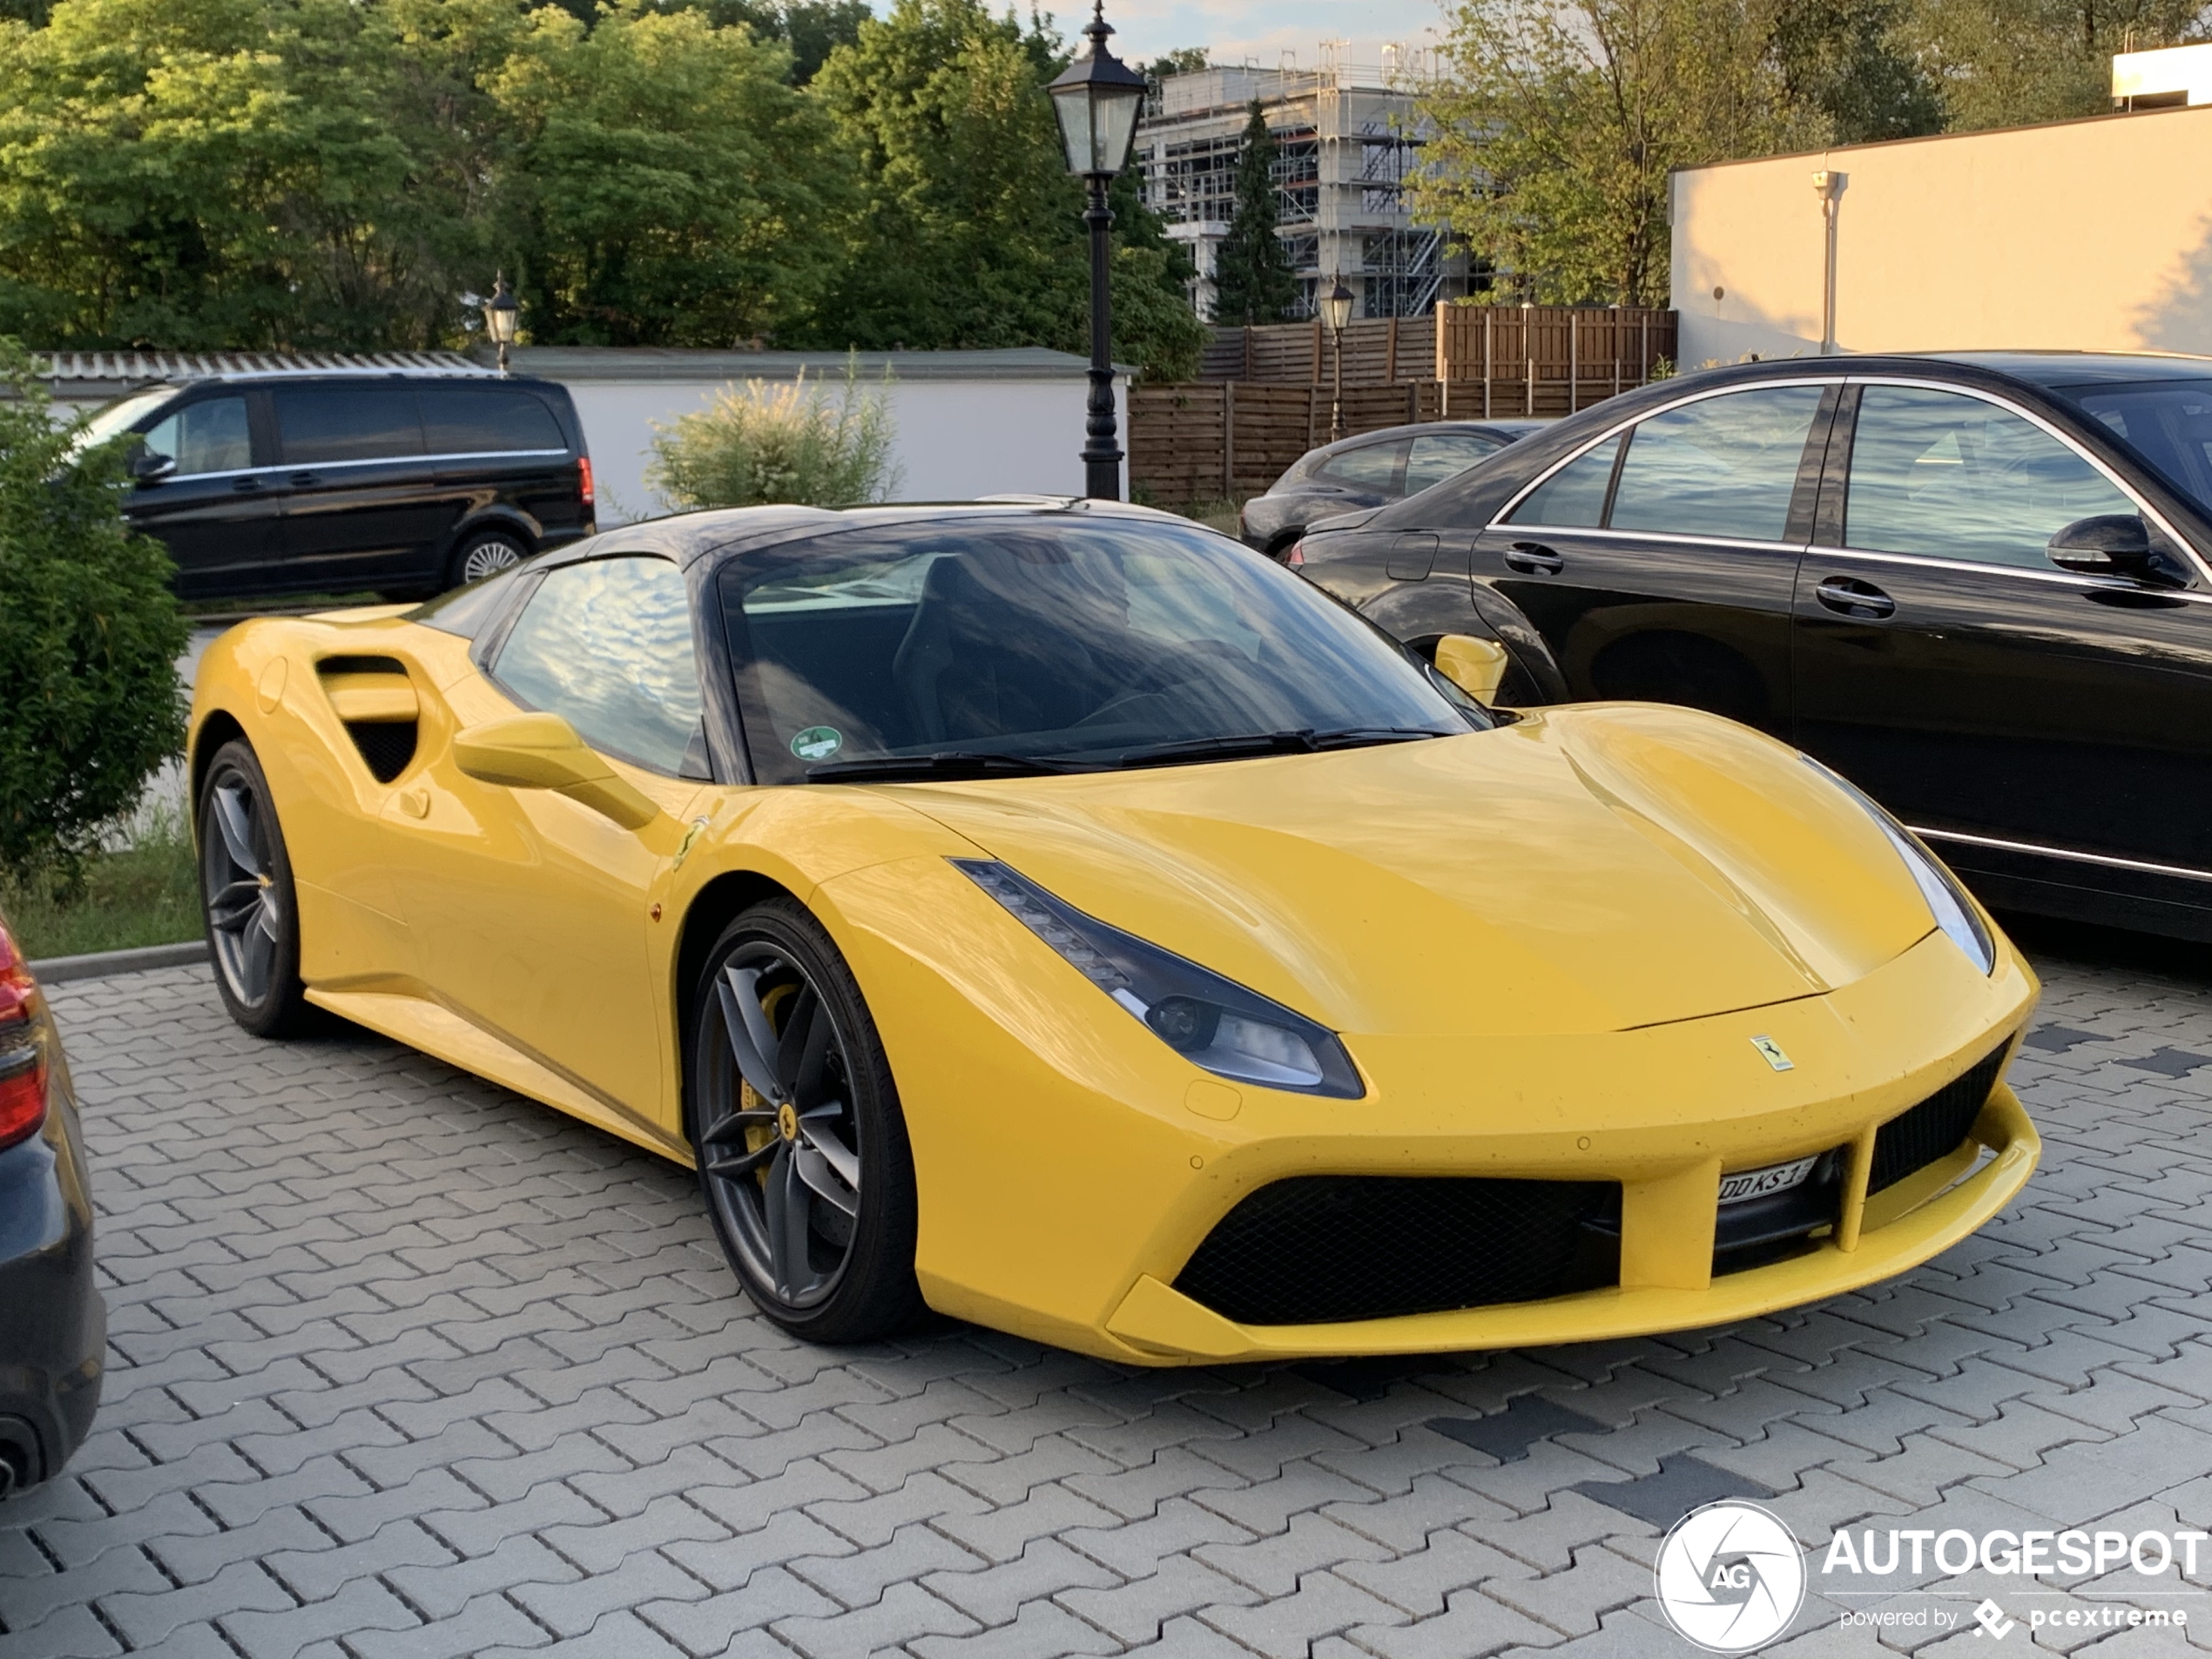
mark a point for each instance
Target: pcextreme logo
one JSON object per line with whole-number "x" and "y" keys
{"x": 1731, "y": 1577}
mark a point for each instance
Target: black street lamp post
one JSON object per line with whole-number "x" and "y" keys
{"x": 1336, "y": 309}
{"x": 1096, "y": 98}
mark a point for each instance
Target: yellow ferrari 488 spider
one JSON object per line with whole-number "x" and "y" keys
{"x": 1059, "y": 915}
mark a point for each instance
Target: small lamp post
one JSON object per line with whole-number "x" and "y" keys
{"x": 501, "y": 312}
{"x": 1830, "y": 186}
{"x": 1336, "y": 310}
{"x": 1096, "y": 98}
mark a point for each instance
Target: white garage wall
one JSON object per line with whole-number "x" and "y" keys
{"x": 955, "y": 439}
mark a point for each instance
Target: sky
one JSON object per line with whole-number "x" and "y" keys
{"x": 1233, "y": 31}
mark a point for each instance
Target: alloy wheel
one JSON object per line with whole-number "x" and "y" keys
{"x": 489, "y": 557}
{"x": 243, "y": 922}
{"x": 779, "y": 1146}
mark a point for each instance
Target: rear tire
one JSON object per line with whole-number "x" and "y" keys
{"x": 794, "y": 1118}
{"x": 247, "y": 898}
{"x": 486, "y": 553}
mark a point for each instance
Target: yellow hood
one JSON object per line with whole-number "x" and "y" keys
{"x": 1587, "y": 869}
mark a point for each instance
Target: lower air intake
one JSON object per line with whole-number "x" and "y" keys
{"x": 1935, "y": 1128}
{"x": 1319, "y": 1249}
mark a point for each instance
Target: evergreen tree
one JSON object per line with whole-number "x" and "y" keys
{"x": 1251, "y": 278}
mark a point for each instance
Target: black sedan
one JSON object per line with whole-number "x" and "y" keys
{"x": 53, "y": 1326}
{"x": 1977, "y": 584}
{"x": 1367, "y": 471}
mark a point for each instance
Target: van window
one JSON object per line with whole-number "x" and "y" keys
{"x": 468, "y": 420}
{"x": 209, "y": 435}
{"x": 347, "y": 421}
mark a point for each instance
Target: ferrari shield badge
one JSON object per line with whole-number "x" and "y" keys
{"x": 1770, "y": 1051}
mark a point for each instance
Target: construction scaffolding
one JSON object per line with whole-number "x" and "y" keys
{"x": 1346, "y": 137}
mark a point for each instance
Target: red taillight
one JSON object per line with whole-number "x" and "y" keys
{"x": 583, "y": 477}
{"x": 23, "y": 1048}
{"x": 1296, "y": 556}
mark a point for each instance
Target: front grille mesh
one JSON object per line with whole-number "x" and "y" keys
{"x": 1319, "y": 1249}
{"x": 1934, "y": 1128}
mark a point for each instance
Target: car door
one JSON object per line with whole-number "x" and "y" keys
{"x": 1660, "y": 562}
{"x": 216, "y": 511}
{"x": 491, "y": 446}
{"x": 1946, "y": 665}
{"x": 362, "y": 511}
{"x": 533, "y": 911}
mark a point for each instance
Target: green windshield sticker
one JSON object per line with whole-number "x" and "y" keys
{"x": 818, "y": 743}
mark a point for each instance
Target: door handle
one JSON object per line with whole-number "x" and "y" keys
{"x": 1850, "y": 597}
{"x": 246, "y": 485}
{"x": 306, "y": 479}
{"x": 1533, "y": 558}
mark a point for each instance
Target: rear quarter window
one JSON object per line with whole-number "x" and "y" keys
{"x": 487, "y": 419}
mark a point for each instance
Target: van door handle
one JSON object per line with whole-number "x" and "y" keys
{"x": 1852, "y": 597}
{"x": 306, "y": 479}
{"x": 246, "y": 485}
{"x": 1533, "y": 558}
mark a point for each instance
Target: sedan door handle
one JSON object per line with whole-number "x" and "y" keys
{"x": 1852, "y": 597}
{"x": 1533, "y": 558}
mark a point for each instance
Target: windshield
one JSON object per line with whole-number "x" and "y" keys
{"x": 121, "y": 414}
{"x": 2166, "y": 423}
{"x": 1031, "y": 643}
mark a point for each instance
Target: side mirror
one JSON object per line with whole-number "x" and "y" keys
{"x": 542, "y": 751}
{"x": 148, "y": 465}
{"x": 1476, "y": 666}
{"x": 2109, "y": 544}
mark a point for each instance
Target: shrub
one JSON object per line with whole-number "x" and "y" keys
{"x": 90, "y": 635}
{"x": 784, "y": 443}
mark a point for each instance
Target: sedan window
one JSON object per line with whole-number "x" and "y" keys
{"x": 2168, "y": 423}
{"x": 606, "y": 645}
{"x": 1573, "y": 498}
{"x": 1942, "y": 474}
{"x": 1723, "y": 465}
{"x": 1438, "y": 455}
{"x": 1372, "y": 467}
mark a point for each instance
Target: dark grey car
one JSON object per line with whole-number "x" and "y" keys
{"x": 53, "y": 1325}
{"x": 1370, "y": 470}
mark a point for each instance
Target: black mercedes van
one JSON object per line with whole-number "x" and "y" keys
{"x": 287, "y": 481}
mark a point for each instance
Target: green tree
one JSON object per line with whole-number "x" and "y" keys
{"x": 2006, "y": 63}
{"x": 1555, "y": 128}
{"x": 969, "y": 229}
{"x": 1183, "y": 60}
{"x": 1847, "y": 60}
{"x": 665, "y": 183}
{"x": 1251, "y": 276}
{"x": 809, "y": 28}
{"x": 90, "y": 635}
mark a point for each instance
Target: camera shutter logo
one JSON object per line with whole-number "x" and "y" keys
{"x": 1731, "y": 1577}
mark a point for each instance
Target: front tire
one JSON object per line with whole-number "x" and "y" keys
{"x": 247, "y": 898}
{"x": 802, "y": 1149}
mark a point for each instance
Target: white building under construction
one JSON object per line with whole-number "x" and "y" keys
{"x": 1345, "y": 134}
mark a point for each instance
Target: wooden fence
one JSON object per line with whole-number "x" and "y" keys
{"x": 1265, "y": 398}
{"x": 1226, "y": 440}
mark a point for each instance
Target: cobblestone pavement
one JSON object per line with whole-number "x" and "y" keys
{"x": 403, "y": 1364}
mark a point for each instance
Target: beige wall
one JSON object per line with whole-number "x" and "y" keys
{"x": 2092, "y": 235}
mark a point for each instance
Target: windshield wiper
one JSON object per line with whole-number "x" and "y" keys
{"x": 1305, "y": 740}
{"x": 948, "y": 763}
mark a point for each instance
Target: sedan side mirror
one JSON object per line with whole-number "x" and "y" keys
{"x": 1476, "y": 666}
{"x": 2110, "y": 544}
{"x": 148, "y": 466}
{"x": 543, "y": 751}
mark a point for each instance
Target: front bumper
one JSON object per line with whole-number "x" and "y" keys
{"x": 1913, "y": 1221}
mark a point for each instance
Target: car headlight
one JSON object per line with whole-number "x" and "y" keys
{"x": 1954, "y": 911}
{"x": 1213, "y": 1022}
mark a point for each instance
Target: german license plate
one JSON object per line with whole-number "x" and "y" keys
{"x": 1744, "y": 1185}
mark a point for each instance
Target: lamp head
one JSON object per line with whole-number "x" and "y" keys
{"x": 501, "y": 312}
{"x": 1096, "y": 97}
